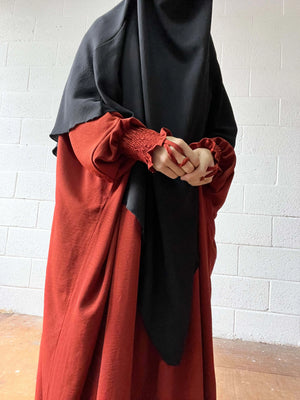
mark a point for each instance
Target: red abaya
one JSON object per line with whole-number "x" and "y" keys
{"x": 94, "y": 345}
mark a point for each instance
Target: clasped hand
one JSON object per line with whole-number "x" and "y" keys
{"x": 200, "y": 159}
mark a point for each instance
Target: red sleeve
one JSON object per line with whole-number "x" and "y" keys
{"x": 110, "y": 145}
{"x": 139, "y": 142}
{"x": 225, "y": 158}
{"x": 214, "y": 146}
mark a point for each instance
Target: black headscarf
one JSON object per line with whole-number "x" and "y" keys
{"x": 155, "y": 60}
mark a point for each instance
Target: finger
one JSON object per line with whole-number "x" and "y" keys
{"x": 196, "y": 174}
{"x": 174, "y": 167}
{"x": 168, "y": 172}
{"x": 201, "y": 182}
{"x": 188, "y": 166}
{"x": 212, "y": 171}
{"x": 164, "y": 163}
{"x": 178, "y": 171}
{"x": 207, "y": 180}
{"x": 187, "y": 151}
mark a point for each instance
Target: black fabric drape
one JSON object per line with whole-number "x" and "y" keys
{"x": 155, "y": 60}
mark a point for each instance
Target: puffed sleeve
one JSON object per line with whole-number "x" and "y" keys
{"x": 225, "y": 161}
{"x": 110, "y": 145}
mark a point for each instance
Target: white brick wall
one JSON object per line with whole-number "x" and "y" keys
{"x": 256, "y": 290}
{"x": 256, "y": 277}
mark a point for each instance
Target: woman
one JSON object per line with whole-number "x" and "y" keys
{"x": 145, "y": 159}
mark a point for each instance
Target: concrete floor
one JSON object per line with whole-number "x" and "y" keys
{"x": 244, "y": 370}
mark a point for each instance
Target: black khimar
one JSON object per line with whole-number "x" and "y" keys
{"x": 155, "y": 60}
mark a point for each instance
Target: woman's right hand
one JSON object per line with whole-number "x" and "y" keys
{"x": 164, "y": 164}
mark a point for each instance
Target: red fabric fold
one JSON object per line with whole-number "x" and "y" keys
{"x": 94, "y": 345}
{"x": 217, "y": 190}
{"x": 121, "y": 143}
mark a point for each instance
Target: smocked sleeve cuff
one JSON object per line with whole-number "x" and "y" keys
{"x": 110, "y": 145}
{"x": 216, "y": 191}
{"x": 215, "y": 147}
{"x": 139, "y": 142}
{"x": 222, "y": 151}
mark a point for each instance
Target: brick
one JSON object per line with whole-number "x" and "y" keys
{"x": 36, "y": 185}
{"x": 254, "y": 7}
{"x": 16, "y": 28}
{"x": 49, "y": 79}
{"x": 222, "y": 28}
{"x": 32, "y": 53}
{"x": 226, "y": 262}
{"x": 265, "y": 54}
{"x": 270, "y": 140}
{"x": 51, "y": 160}
{"x": 14, "y": 271}
{"x": 290, "y": 112}
{"x": 269, "y": 263}
{"x": 266, "y": 27}
{"x": 285, "y": 297}
{"x": 236, "y": 81}
{"x": 3, "y": 236}
{"x": 234, "y": 200}
{"x": 286, "y": 232}
{"x": 3, "y": 52}
{"x": 289, "y": 29}
{"x": 238, "y": 292}
{"x": 264, "y": 327}
{"x": 236, "y": 54}
{"x": 290, "y": 54}
{"x": 22, "y": 157}
{"x": 27, "y": 242}
{"x": 272, "y": 200}
{"x": 66, "y": 53}
{"x": 219, "y": 50}
{"x": 256, "y": 169}
{"x": 36, "y": 131}
{"x": 14, "y": 78}
{"x": 218, "y": 7}
{"x": 6, "y": 7}
{"x": 58, "y": 28}
{"x": 244, "y": 229}
{"x": 26, "y": 105}
{"x": 18, "y": 212}
{"x": 256, "y": 110}
{"x": 55, "y": 102}
{"x": 275, "y": 83}
{"x": 10, "y": 130}
{"x": 92, "y": 9}
{"x": 45, "y": 214}
{"x": 38, "y": 273}
{"x": 22, "y": 300}
{"x": 38, "y": 8}
{"x": 223, "y": 322}
{"x": 74, "y": 8}
{"x": 239, "y": 139}
{"x": 7, "y": 183}
{"x": 289, "y": 168}
{"x": 291, "y": 7}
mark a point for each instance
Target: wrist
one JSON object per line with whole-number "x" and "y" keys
{"x": 209, "y": 144}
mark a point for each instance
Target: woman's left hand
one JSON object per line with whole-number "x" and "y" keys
{"x": 206, "y": 160}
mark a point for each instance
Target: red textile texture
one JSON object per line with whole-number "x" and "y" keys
{"x": 94, "y": 345}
